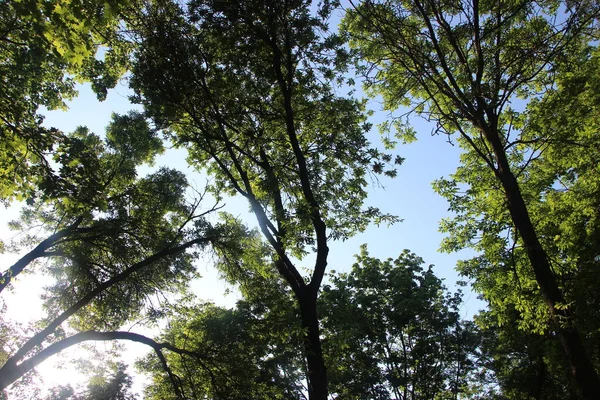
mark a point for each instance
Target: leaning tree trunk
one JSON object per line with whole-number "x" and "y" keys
{"x": 582, "y": 369}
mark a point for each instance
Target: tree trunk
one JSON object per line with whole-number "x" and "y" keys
{"x": 317, "y": 372}
{"x": 582, "y": 368}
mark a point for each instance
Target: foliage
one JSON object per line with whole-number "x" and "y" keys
{"x": 524, "y": 365}
{"x": 117, "y": 241}
{"x": 105, "y": 385}
{"x": 233, "y": 354}
{"x": 114, "y": 219}
{"x": 393, "y": 331}
{"x": 250, "y": 89}
{"x": 220, "y": 94}
{"x": 558, "y": 166}
{"x": 452, "y": 61}
{"x": 45, "y": 46}
{"x": 115, "y": 386}
{"x": 557, "y": 163}
{"x": 248, "y": 352}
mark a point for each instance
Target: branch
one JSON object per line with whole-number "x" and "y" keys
{"x": 39, "y": 338}
{"x": 37, "y": 252}
{"x": 442, "y": 57}
{"x": 21, "y": 369}
{"x": 320, "y": 228}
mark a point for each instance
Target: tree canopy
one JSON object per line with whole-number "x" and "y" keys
{"x": 261, "y": 97}
{"x": 410, "y": 342}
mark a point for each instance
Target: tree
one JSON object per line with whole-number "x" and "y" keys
{"x": 409, "y": 342}
{"x": 61, "y": 393}
{"x": 524, "y": 365}
{"x": 125, "y": 238}
{"x": 115, "y": 386}
{"x": 89, "y": 177}
{"x": 112, "y": 383}
{"x": 559, "y": 174}
{"x": 248, "y": 352}
{"x": 113, "y": 240}
{"x": 462, "y": 65}
{"x": 247, "y": 89}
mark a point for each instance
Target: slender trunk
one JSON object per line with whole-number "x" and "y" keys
{"x": 458, "y": 372}
{"x": 317, "y": 372}
{"x": 582, "y": 369}
{"x": 392, "y": 366}
{"x": 406, "y": 364}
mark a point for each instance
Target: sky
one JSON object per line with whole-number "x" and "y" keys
{"x": 409, "y": 196}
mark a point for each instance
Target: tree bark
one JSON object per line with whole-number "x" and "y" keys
{"x": 582, "y": 369}
{"x": 317, "y": 372}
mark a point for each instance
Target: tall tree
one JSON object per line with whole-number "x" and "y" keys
{"x": 247, "y": 88}
{"x": 250, "y": 351}
{"x": 90, "y": 175}
{"x": 558, "y": 166}
{"x": 110, "y": 383}
{"x": 523, "y": 364}
{"x": 462, "y": 65}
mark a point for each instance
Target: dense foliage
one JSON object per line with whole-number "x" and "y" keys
{"x": 256, "y": 92}
{"x": 409, "y": 342}
{"x": 558, "y": 167}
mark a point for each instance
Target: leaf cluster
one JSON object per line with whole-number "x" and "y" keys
{"x": 248, "y": 352}
{"x": 108, "y": 220}
{"x": 45, "y": 46}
